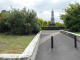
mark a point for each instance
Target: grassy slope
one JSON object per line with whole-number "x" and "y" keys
{"x": 77, "y": 32}
{"x": 15, "y": 43}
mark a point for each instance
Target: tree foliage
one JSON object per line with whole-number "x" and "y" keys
{"x": 59, "y": 24}
{"x": 45, "y": 22}
{"x": 3, "y": 26}
{"x": 22, "y": 21}
{"x": 48, "y": 22}
{"x": 40, "y": 21}
{"x": 71, "y": 18}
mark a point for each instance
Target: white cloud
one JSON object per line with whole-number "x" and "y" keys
{"x": 62, "y": 13}
{"x": 42, "y": 7}
{"x": 56, "y": 13}
{"x": 25, "y": 1}
{"x": 46, "y": 12}
{"x": 9, "y": 7}
{"x": 1, "y": 1}
{"x": 19, "y": 1}
{"x": 72, "y": 2}
{"x": 28, "y": 4}
{"x": 55, "y": 1}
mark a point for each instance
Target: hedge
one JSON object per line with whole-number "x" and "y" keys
{"x": 51, "y": 28}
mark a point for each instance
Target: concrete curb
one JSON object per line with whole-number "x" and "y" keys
{"x": 28, "y": 54}
{"x": 70, "y": 34}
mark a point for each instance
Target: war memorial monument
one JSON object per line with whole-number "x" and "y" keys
{"x": 52, "y": 18}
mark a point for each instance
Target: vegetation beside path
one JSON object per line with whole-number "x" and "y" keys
{"x": 14, "y": 44}
{"x": 71, "y": 18}
{"x": 77, "y": 32}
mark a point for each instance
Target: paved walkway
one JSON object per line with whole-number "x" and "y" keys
{"x": 63, "y": 47}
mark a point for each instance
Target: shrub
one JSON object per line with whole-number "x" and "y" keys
{"x": 51, "y": 28}
{"x": 3, "y": 26}
{"x": 22, "y": 21}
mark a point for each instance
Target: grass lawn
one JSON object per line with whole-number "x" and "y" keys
{"x": 14, "y": 44}
{"x": 77, "y": 32}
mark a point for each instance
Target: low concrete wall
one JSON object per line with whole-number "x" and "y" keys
{"x": 28, "y": 54}
{"x": 70, "y": 34}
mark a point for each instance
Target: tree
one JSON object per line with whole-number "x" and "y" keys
{"x": 71, "y": 18}
{"x": 44, "y": 22}
{"x": 48, "y": 22}
{"x": 59, "y": 24}
{"x": 40, "y": 21}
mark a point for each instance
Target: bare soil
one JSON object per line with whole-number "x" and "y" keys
{"x": 3, "y": 44}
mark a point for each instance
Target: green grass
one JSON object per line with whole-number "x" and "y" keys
{"x": 15, "y": 43}
{"x": 77, "y": 32}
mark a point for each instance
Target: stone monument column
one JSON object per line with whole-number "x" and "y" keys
{"x": 52, "y": 18}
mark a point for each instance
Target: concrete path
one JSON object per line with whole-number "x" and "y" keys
{"x": 63, "y": 47}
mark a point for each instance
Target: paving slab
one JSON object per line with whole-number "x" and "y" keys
{"x": 63, "y": 48}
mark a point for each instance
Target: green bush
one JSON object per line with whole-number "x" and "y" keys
{"x": 22, "y": 21}
{"x": 51, "y": 28}
{"x": 3, "y": 26}
{"x": 71, "y": 18}
{"x": 36, "y": 28}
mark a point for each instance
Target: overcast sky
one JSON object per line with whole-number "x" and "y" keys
{"x": 42, "y": 7}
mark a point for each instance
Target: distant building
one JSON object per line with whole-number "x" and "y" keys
{"x": 5, "y": 11}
